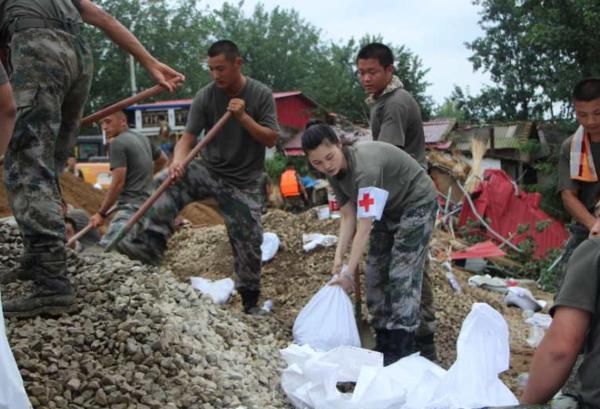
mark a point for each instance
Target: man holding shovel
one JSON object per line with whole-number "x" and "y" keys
{"x": 396, "y": 119}
{"x": 51, "y": 75}
{"x": 229, "y": 170}
{"x": 133, "y": 161}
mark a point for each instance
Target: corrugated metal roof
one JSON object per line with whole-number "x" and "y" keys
{"x": 438, "y": 129}
{"x": 509, "y": 136}
{"x": 188, "y": 101}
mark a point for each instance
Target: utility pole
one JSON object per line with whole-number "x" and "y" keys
{"x": 132, "y": 75}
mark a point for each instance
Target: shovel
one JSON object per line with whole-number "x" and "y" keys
{"x": 367, "y": 340}
{"x": 167, "y": 182}
{"x": 86, "y": 229}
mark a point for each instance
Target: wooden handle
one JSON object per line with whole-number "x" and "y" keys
{"x": 86, "y": 229}
{"x": 119, "y": 106}
{"x": 168, "y": 181}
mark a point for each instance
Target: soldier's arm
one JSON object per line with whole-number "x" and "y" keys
{"x": 556, "y": 355}
{"x": 120, "y": 35}
{"x": 8, "y": 113}
{"x": 263, "y": 134}
{"x": 347, "y": 228}
{"x": 576, "y": 208}
{"x": 117, "y": 183}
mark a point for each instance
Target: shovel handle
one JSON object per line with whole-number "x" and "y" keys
{"x": 168, "y": 181}
{"x": 118, "y": 106}
{"x": 86, "y": 229}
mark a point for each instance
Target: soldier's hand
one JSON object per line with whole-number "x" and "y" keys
{"x": 97, "y": 220}
{"x": 344, "y": 279}
{"x": 176, "y": 170}
{"x": 237, "y": 107}
{"x": 166, "y": 76}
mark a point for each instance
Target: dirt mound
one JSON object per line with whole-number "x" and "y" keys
{"x": 75, "y": 191}
{"x": 203, "y": 213}
{"x": 293, "y": 277}
{"x": 82, "y": 195}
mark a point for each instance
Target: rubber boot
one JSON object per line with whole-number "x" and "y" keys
{"x": 426, "y": 346}
{"x": 400, "y": 343}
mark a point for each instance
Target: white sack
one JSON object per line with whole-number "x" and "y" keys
{"x": 12, "y": 392}
{"x": 327, "y": 321}
{"x": 412, "y": 382}
{"x": 219, "y": 291}
{"x": 269, "y": 246}
{"x": 312, "y": 240}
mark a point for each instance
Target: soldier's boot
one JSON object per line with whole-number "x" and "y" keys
{"x": 53, "y": 293}
{"x": 250, "y": 302}
{"x": 23, "y": 272}
{"x": 146, "y": 253}
{"x": 394, "y": 344}
{"x": 426, "y": 346}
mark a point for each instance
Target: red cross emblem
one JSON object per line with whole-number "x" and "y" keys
{"x": 366, "y": 202}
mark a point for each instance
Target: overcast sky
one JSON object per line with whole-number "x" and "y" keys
{"x": 435, "y": 30}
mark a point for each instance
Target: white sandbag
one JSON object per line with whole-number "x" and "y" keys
{"x": 312, "y": 240}
{"x": 327, "y": 321}
{"x": 219, "y": 291}
{"x": 12, "y": 391}
{"x": 482, "y": 353}
{"x": 269, "y": 246}
{"x": 524, "y": 299}
{"x": 412, "y": 382}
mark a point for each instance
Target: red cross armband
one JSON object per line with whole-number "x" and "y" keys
{"x": 371, "y": 202}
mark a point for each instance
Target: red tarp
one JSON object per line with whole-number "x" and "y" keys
{"x": 479, "y": 250}
{"x": 499, "y": 201}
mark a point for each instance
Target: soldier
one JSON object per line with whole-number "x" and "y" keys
{"x": 578, "y": 164}
{"x": 229, "y": 170}
{"x": 51, "y": 76}
{"x": 8, "y": 112}
{"x": 133, "y": 161}
{"x": 395, "y": 203}
{"x": 396, "y": 119}
{"x": 574, "y": 328}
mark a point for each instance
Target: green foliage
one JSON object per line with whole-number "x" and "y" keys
{"x": 534, "y": 52}
{"x": 275, "y": 166}
{"x": 279, "y": 48}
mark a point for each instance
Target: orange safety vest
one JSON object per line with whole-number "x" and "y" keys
{"x": 288, "y": 184}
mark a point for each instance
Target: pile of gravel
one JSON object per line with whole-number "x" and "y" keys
{"x": 142, "y": 339}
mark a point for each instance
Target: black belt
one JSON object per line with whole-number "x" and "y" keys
{"x": 25, "y": 23}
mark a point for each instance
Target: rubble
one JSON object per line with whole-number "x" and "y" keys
{"x": 144, "y": 338}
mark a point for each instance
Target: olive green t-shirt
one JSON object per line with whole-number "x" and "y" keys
{"x": 581, "y": 290}
{"x": 61, "y": 10}
{"x": 135, "y": 152}
{"x": 233, "y": 154}
{"x": 396, "y": 119}
{"x": 587, "y": 192}
{"x": 3, "y": 76}
{"x": 387, "y": 167}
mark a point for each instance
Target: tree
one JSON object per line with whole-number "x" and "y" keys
{"x": 165, "y": 30}
{"x": 535, "y": 51}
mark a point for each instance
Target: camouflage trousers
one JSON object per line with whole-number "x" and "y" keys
{"x": 578, "y": 235}
{"x": 241, "y": 210}
{"x": 560, "y": 402}
{"x": 395, "y": 264}
{"x": 52, "y": 72}
{"x": 119, "y": 220}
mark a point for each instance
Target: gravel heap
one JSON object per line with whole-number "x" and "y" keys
{"x": 294, "y": 276}
{"x": 142, "y": 339}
